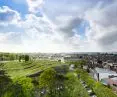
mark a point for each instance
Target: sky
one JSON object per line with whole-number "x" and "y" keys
{"x": 58, "y": 26}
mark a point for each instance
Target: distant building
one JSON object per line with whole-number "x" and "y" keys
{"x": 56, "y": 57}
{"x": 112, "y": 66}
{"x": 72, "y": 67}
{"x": 70, "y": 58}
{"x": 106, "y": 77}
{"x": 103, "y": 73}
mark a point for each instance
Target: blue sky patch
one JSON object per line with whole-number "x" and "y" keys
{"x": 22, "y": 8}
{"x": 82, "y": 28}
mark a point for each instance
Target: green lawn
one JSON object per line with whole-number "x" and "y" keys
{"x": 19, "y": 69}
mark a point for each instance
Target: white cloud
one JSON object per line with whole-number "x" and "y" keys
{"x": 103, "y": 25}
{"x": 56, "y": 30}
{"x": 35, "y": 5}
{"x": 40, "y": 35}
{"x": 8, "y": 16}
{"x": 10, "y": 38}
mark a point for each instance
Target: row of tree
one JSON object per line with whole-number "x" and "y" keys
{"x": 13, "y": 56}
{"x": 24, "y": 57}
{"x": 8, "y": 56}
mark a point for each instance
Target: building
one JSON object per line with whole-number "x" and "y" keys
{"x": 72, "y": 67}
{"x": 70, "y": 58}
{"x": 100, "y": 73}
{"x": 106, "y": 77}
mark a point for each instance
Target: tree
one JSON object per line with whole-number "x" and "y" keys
{"x": 20, "y": 58}
{"x": 5, "y": 81}
{"x": 26, "y": 86}
{"x": 47, "y": 80}
{"x": 26, "y": 58}
{"x": 73, "y": 87}
{"x": 19, "y": 87}
{"x": 79, "y": 63}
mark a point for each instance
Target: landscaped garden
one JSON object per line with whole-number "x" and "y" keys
{"x": 54, "y": 79}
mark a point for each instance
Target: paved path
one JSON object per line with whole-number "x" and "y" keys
{"x": 4, "y": 61}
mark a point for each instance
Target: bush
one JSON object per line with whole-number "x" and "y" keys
{"x": 26, "y": 85}
{"x": 73, "y": 87}
{"x": 47, "y": 78}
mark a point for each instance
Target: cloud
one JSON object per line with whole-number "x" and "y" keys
{"x": 8, "y": 15}
{"x": 67, "y": 23}
{"x": 34, "y": 5}
{"x": 10, "y": 38}
{"x": 103, "y": 25}
{"x": 41, "y": 35}
{"x": 56, "y": 30}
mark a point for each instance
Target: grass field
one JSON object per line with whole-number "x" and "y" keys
{"x": 19, "y": 69}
